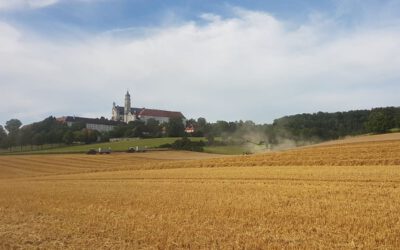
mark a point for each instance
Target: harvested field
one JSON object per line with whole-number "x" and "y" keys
{"x": 375, "y": 153}
{"x": 364, "y": 138}
{"x": 40, "y": 165}
{"x": 333, "y": 196}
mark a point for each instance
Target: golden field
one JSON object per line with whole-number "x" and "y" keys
{"x": 341, "y": 195}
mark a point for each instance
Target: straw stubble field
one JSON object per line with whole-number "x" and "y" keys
{"x": 334, "y": 196}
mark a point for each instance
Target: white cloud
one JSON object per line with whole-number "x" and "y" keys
{"x": 34, "y": 4}
{"x": 251, "y": 66}
{"x": 17, "y": 4}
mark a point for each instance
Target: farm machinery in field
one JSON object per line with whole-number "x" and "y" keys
{"x": 101, "y": 151}
{"x": 136, "y": 149}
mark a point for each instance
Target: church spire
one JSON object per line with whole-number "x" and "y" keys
{"x": 127, "y": 108}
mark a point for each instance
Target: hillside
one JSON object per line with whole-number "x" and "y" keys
{"x": 374, "y": 150}
{"x": 203, "y": 208}
{"x": 363, "y": 138}
{"x": 339, "y": 196}
{"x": 357, "y": 151}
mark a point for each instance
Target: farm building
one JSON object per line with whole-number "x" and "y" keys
{"x": 127, "y": 113}
{"x": 101, "y": 125}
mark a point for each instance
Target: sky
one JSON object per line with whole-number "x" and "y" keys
{"x": 222, "y": 60}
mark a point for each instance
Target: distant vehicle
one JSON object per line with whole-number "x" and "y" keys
{"x": 104, "y": 151}
{"x": 131, "y": 150}
{"x": 91, "y": 151}
{"x": 136, "y": 149}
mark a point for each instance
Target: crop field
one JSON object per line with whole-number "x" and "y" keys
{"x": 343, "y": 195}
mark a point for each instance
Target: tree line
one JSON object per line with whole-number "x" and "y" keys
{"x": 327, "y": 126}
{"x": 52, "y": 132}
{"x": 314, "y": 127}
{"x": 48, "y": 131}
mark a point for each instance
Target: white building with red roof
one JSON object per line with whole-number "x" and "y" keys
{"x": 127, "y": 113}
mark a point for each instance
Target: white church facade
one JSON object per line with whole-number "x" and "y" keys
{"x": 128, "y": 113}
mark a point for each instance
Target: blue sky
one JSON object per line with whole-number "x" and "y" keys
{"x": 102, "y": 15}
{"x": 229, "y": 60}
{"x": 109, "y": 14}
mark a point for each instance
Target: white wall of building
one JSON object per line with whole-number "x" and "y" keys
{"x": 100, "y": 127}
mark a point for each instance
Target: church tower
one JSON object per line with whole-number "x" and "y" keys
{"x": 127, "y": 109}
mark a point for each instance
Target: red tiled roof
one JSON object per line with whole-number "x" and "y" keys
{"x": 160, "y": 113}
{"x": 151, "y": 112}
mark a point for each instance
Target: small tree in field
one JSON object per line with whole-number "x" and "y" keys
{"x": 13, "y": 125}
{"x": 3, "y": 137}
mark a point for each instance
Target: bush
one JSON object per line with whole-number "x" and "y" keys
{"x": 187, "y": 144}
{"x": 166, "y": 145}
